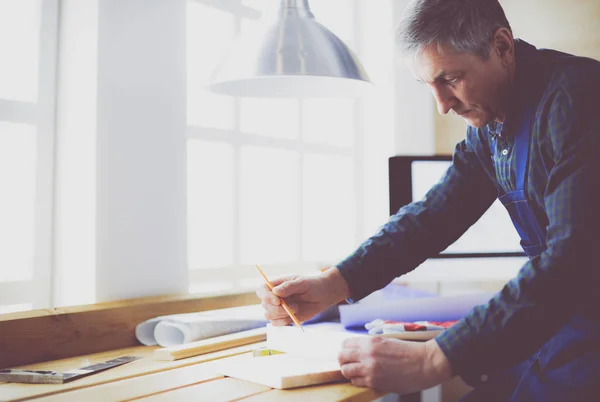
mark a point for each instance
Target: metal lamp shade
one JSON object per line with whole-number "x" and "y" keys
{"x": 293, "y": 57}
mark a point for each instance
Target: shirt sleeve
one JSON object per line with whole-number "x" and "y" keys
{"x": 424, "y": 228}
{"x": 564, "y": 280}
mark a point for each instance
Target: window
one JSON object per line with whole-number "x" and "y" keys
{"x": 278, "y": 182}
{"x": 28, "y": 35}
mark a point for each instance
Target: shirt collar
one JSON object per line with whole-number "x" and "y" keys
{"x": 495, "y": 128}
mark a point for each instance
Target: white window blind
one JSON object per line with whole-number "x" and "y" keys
{"x": 28, "y": 35}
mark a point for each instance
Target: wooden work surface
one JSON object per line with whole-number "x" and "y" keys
{"x": 188, "y": 379}
{"x": 69, "y": 338}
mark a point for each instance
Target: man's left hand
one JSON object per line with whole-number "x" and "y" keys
{"x": 392, "y": 365}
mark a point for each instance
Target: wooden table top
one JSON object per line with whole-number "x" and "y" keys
{"x": 188, "y": 379}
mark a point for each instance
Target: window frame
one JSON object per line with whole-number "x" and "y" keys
{"x": 238, "y": 275}
{"x": 38, "y": 290}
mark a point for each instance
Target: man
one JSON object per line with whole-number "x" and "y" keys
{"x": 532, "y": 142}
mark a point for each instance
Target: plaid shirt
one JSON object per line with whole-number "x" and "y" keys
{"x": 563, "y": 186}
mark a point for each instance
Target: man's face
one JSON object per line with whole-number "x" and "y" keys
{"x": 463, "y": 83}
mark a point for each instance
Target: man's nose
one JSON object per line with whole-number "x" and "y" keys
{"x": 444, "y": 98}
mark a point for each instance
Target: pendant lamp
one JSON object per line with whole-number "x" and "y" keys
{"x": 293, "y": 56}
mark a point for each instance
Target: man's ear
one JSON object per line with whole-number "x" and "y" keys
{"x": 503, "y": 44}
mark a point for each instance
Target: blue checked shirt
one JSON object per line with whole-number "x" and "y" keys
{"x": 562, "y": 184}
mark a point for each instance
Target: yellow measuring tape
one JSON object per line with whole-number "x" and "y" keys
{"x": 264, "y": 351}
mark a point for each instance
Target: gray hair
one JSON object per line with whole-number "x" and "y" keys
{"x": 464, "y": 25}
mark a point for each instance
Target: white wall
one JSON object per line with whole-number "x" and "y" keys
{"x": 375, "y": 122}
{"x": 415, "y": 107}
{"x": 121, "y": 199}
{"x": 397, "y": 117}
{"x": 141, "y": 245}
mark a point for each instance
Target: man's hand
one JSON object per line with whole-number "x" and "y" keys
{"x": 393, "y": 365}
{"x": 306, "y": 295}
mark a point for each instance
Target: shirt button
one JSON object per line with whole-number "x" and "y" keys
{"x": 483, "y": 378}
{"x": 505, "y": 152}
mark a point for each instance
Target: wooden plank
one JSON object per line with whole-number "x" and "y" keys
{"x": 314, "y": 341}
{"x": 311, "y": 358}
{"x": 325, "y": 341}
{"x": 53, "y": 334}
{"x": 282, "y": 371}
{"x": 226, "y": 389}
{"x": 141, "y": 386}
{"x": 342, "y": 392}
{"x": 114, "y": 304}
{"x": 21, "y": 392}
{"x": 210, "y": 345}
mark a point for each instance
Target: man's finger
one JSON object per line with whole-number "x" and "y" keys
{"x": 360, "y": 382}
{"x": 274, "y": 312}
{"x": 354, "y": 342}
{"x": 279, "y": 280}
{"x": 265, "y": 294}
{"x": 352, "y": 370}
{"x": 289, "y": 288}
{"x": 282, "y": 322}
{"x": 348, "y": 356}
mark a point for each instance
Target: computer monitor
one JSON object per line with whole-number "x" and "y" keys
{"x": 493, "y": 235}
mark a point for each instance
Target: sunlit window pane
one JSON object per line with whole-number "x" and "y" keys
{"x": 210, "y": 204}
{"x": 329, "y": 208}
{"x": 328, "y": 121}
{"x": 269, "y": 202}
{"x": 17, "y": 214}
{"x": 337, "y": 16}
{"x": 271, "y": 117}
{"x": 251, "y": 26}
{"x": 257, "y": 4}
{"x": 211, "y": 286}
{"x": 19, "y": 42}
{"x": 209, "y": 33}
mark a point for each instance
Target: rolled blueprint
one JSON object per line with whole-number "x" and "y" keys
{"x": 444, "y": 308}
{"x": 178, "y": 329}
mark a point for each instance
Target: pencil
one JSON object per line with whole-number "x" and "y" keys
{"x": 283, "y": 303}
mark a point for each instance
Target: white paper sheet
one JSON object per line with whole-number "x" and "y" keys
{"x": 420, "y": 309}
{"x": 178, "y": 329}
{"x": 323, "y": 340}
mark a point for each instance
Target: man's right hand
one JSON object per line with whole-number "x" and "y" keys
{"x": 306, "y": 295}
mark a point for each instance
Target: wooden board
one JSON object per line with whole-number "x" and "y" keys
{"x": 142, "y": 386}
{"x": 323, "y": 342}
{"x": 326, "y": 340}
{"x": 338, "y": 392}
{"x": 52, "y": 334}
{"x": 210, "y": 345}
{"x": 226, "y": 389}
{"x": 281, "y": 371}
{"x": 21, "y": 392}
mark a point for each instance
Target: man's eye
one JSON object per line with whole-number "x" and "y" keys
{"x": 452, "y": 80}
